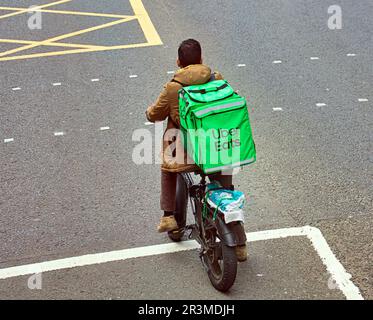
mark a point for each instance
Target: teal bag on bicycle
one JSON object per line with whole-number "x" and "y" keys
{"x": 215, "y": 126}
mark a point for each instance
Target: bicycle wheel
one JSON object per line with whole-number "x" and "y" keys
{"x": 181, "y": 209}
{"x": 222, "y": 266}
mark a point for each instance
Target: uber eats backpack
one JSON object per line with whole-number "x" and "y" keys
{"x": 215, "y": 126}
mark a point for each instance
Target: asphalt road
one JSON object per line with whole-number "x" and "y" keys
{"x": 68, "y": 187}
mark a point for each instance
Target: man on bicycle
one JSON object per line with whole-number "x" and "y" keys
{"x": 174, "y": 158}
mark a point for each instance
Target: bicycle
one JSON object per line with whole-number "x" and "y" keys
{"x": 217, "y": 239}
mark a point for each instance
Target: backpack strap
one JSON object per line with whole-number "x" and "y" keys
{"x": 182, "y": 84}
{"x": 212, "y": 78}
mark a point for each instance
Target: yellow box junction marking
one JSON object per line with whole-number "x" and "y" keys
{"x": 140, "y": 15}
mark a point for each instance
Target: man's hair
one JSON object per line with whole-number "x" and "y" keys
{"x": 190, "y": 52}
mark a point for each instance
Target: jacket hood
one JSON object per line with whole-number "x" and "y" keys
{"x": 194, "y": 74}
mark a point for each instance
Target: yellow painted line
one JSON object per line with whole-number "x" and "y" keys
{"x": 79, "y": 13}
{"x": 57, "y": 53}
{"x": 28, "y": 10}
{"x": 141, "y": 15}
{"x": 53, "y": 44}
{"x": 146, "y": 24}
{"x": 64, "y": 36}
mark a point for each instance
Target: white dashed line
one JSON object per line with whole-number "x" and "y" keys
{"x": 241, "y": 65}
{"x": 277, "y": 62}
{"x": 148, "y": 123}
{"x": 351, "y": 55}
{"x": 133, "y": 76}
{"x": 315, "y": 58}
{"x": 277, "y": 109}
{"x": 56, "y": 84}
{"x": 16, "y": 89}
{"x": 95, "y": 80}
{"x": 320, "y": 104}
{"x": 8, "y": 140}
{"x": 104, "y": 128}
{"x": 363, "y": 100}
{"x": 338, "y": 273}
{"x": 59, "y": 133}
{"x": 170, "y": 72}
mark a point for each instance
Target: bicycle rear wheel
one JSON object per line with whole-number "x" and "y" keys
{"x": 221, "y": 261}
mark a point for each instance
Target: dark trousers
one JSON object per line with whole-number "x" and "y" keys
{"x": 168, "y": 187}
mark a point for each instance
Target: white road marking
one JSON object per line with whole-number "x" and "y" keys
{"x": 315, "y": 58}
{"x": 60, "y": 133}
{"x": 334, "y": 267}
{"x": 363, "y": 100}
{"x": 277, "y": 62}
{"x": 277, "y": 109}
{"x": 148, "y": 123}
{"x": 241, "y": 65}
{"x": 133, "y": 76}
{"x": 351, "y": 54}
{"x": 95, "y": 80}
{"x": 320, "y": 104}
{"x": 56, "y": 84}
{"x": 16, "y": 88}
{"x": 170, "y": 72}
{"x": 8, "y": 140}
{"x": 104, "y": 128}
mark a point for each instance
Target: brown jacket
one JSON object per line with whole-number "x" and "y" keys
{"x": 174, "y": 159}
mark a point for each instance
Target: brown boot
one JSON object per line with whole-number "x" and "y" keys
{"x": 241, "y": 253}
{"x": 167, "y": 224}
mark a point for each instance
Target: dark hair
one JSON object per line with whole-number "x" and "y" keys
{"x": 190, "y": 52}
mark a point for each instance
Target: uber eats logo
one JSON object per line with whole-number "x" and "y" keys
{"x": 225, "y": 139}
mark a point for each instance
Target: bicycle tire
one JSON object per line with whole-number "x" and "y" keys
{"x": 224, "y": 280}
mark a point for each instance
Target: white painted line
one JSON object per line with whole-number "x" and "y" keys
{"x": 315, "y": 58}
{"x": 341, "y": 277}
{"x": 148, "y": 123}
{"x": 104, "y": 128}
{"x": 334, "y": 267}
{"x": 16, "y": 89}
{"x": 170, "y": 72}
{"x": 133, "y": 76}
{"x": 241, "y": 65}
{"x": 363, "y": 100}
{"x": 59, "y": 133}
{"x": 95, "y": 80}
{"x": 277, "y": 109}
{"x": 56, "y": 84}
{"x": 277, "y": 62}
{"x": 351, "y": 55}
{"x": 8, "y": 140}
{"x": 320, "y": 104}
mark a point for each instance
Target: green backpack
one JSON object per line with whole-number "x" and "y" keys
{"x": 215, "y": 126}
